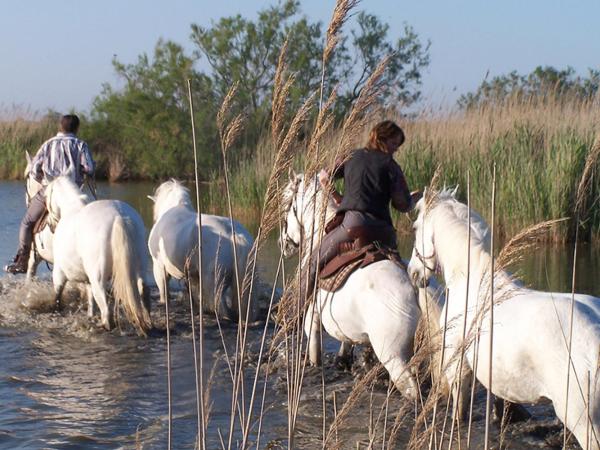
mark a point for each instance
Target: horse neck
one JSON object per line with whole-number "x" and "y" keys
{"x": 313, "y": 221}
{"x": 469, "y": 258}
{"x": 460, "y": 270}
{"x": 161, "y": 207}
{"x": 73, "y": 206}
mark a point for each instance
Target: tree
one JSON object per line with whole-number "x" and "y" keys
{"x": 241, "y": 50}
{"x": 541, "y": 84}
{"x": 144, "y": 129}
{"x": 370, "y": 44}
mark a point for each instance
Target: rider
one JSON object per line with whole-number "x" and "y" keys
{"x": 64, "y": 154}
{"x": 372, "y": 179}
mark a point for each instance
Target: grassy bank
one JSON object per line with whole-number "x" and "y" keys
{"x": 18, "y": 136}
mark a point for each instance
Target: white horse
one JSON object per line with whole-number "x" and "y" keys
{"x": 42, "y": 245}
{"x": 173, "y": 245}
{"x": 531, "y": 328}
{"x": 376, "y": 305}
{"x": 99, "y": 243}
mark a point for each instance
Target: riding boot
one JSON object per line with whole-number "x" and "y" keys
{"x": 19, "y": 263}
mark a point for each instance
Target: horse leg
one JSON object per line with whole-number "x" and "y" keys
{"x": 396, "y": 362}
{"x": 90, "y": 299}
{"x": 508, "y": 412}
{"x": 58, "y": 280}
{"x": 577, "y": 420}
{"x": 99, "y": 294}
{"x": 312, "y": 328}
{"x": 345, "y": 356}
{"x": 32, "y": 264}
{"x": 459, "y": 382}
{"x": 162, "y": 280}
{"x": 144, "y": 291}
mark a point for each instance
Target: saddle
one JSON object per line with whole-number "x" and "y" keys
{"x": 366, "y": 246}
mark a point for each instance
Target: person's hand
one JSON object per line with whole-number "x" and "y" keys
{"x": 416, "y": 196}
{"x": 324, "y": 178}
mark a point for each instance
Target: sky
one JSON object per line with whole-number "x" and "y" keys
{"x": 57, "y": 54}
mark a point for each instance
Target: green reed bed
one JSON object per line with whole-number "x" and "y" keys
{"x": 17, "y": 137}
{"x": 539, "y": 162}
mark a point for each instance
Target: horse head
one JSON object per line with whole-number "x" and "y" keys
{"x": 457, "y": 223}
{"x": 62, "y": 197}
{"x": 291, "y": 227}
{"x": 302, "y": 209}
{"x": 169, "y": 194}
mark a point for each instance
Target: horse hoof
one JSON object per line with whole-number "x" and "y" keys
{"x": 514, "y": 412}
{"x": 343, "y": 363}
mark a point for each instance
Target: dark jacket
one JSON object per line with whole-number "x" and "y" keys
{"x": 372, "y": 179}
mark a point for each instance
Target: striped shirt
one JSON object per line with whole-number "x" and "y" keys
{"x": 58, "y": 154}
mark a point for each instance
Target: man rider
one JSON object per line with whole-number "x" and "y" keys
{"x": 64, "y": 154}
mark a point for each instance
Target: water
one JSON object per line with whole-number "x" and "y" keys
{"x": 65, "y": 383}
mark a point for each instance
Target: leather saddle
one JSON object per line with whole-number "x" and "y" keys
{"x": 367, "y": 244}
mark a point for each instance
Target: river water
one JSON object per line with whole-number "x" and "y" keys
{"x": 65, "y": 383}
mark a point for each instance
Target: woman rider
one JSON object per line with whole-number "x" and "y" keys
{"x": 372, "y": 179}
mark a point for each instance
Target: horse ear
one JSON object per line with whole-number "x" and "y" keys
{"x": 151, "y": 198}
{"x": 454, "y": 191}
{"x": 292, "y": 174}
{"x": 28, "y": 157}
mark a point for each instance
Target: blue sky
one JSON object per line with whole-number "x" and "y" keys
{"x": 56, "y": 54}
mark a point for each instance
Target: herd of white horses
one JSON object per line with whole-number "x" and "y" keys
{"x": 534, "y": 349}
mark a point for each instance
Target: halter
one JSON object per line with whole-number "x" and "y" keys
{"x": 295, "y": 213}
{"x": 424, "y": 259}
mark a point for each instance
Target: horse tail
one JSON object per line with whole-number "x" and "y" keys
{"x": 126, "y": 269}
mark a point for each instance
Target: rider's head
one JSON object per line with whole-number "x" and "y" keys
{"x": 386, "y": 136}
{"x": 69, "y": 123}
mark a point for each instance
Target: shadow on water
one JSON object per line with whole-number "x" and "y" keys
{"x": 67, "y": 383}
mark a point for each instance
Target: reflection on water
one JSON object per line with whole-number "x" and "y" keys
{"x": 64, "y": 383}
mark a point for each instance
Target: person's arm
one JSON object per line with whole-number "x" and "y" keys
{"x": 326, "y": 183}
{"x": 402, "y": 199}
{"x": 36, "y": 170}
{"x": 85, "y": 160}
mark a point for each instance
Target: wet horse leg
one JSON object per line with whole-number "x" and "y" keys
{"x": 90, "y": 299}
{"x": 99, "y": 294}
{"x": 32, "y": 264}
{"x": 162, "y": 280}
{"x": 345, "y": 356}
{"x": 58, "y": 280}
{"x": 312, "y": 328}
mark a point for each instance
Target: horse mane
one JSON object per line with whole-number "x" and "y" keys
{"x": 455, "y": 217}
{"x": 67, "y": 191}
{"x": 311, "y": 195}
{"x": 169, "y": 194}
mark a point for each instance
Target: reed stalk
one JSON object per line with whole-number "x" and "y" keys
{"x": 169, "y": 383}
{"x": 488, "y": 404}
{"x": 198, "y": 366}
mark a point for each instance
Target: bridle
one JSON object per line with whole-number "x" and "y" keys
{"x": 294, "y": 210}
{"x": 424, "y": 259}
{"x": 288, "y": 239}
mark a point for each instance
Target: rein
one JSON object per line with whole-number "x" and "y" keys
{"x": 424, "y": 259}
